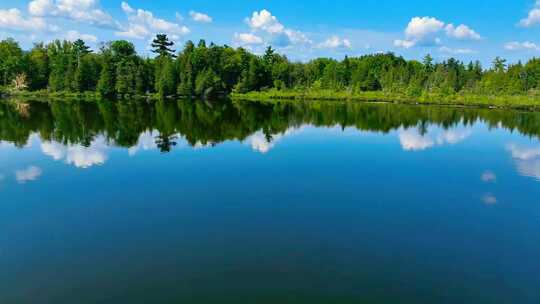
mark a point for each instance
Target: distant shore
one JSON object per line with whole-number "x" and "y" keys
{"x": 522, "y": 102}
{"x": 518, "y": 102}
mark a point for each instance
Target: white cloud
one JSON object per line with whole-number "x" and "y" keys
{"x": 421, "y": 27}
{"x": 200, "y": 17}
{"x": 421, "y": 30}
{"x": 458, "y": 51}
{"x": 247, "y": 39}
{"x": 278, "y": 34}
{"x": 406, "y": 44}
{"x": 74, "y": 35}
{"x": 297, "y": 37}
{"x": 84, "y": 11}
{"x": 461, "y": 32}
{"x": 521, "y": 46}
{"x": 12, "y": 19}
{"x": 335, "y": 42}
{"x": 29, "y": 174}
{"x": 142, "y": 25}
{"x": 533, "y": 17}
{"x": 424, "y": 31}
{"x": 126, "y": 8}
{"x": 40, "y": 7}
{"x": 264, "y": 20}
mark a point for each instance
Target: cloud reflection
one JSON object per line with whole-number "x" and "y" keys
{"x": 413, "y": 140}
{"x": 488, "y": 177}
{"x": 146, "y": 142}
{"x": 29, "y": 174}
{"x": 527, "y": 160}
{"x": 77, "y": 155}
{"x": 260, "y": 143}
{"x": 489, "y": 199}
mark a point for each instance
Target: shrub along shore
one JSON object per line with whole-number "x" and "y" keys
{"x": 517, "y": 102}
{"x": 521, "y": 102}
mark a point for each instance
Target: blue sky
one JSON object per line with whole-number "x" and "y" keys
{"x": 301, "y": 29}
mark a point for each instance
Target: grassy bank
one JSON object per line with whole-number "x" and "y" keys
{"x": 44, "y": 95}
{"x": 521, "y": 102}
{"x": 524, "y": 102}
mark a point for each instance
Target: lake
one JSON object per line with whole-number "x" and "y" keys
{"x": 247, "y": 202}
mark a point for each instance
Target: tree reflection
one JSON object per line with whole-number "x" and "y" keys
{"x": 121, "y": 123}
{"x": 166, "y": 142}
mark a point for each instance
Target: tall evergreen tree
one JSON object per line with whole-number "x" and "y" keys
{"x": 81, "y": 48}
{"x": 162, "y": 46}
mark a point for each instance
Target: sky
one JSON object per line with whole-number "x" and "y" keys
{"x": 301, "y": 29}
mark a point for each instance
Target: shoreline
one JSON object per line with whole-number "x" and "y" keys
{"x": 513, "y": 102}
{"x": 528, "y": 103}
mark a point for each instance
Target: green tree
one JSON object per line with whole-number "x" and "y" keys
{"x": 208, "y": 84}
{"x": 107, "y": 82}
{"x": 11, "y": 56}
{"x": 166, "y": 81}
{"x": 162, "y": 46}
{"x": 38, "y": 67}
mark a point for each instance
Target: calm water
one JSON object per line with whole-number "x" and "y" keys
{"x": 179, "y": 202}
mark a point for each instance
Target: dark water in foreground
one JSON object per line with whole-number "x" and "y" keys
{"x": 182, "y": 202}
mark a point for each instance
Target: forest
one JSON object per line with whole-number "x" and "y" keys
{"x": 115, "y": 70}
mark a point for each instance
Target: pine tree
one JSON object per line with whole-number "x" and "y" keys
{"x": 162, "y": 46}
{"x": 499, "y": 64}
{"x": 428, "y": 63}
{"x": 81, "y": 48}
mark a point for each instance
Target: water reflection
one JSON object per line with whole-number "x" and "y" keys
{"x": 488, "y": 177}
{"x": 489, "y": 199}
{"x": 341, "y": 186}
{"x": 76, "y": 154}
{"x": 31, "y": 173}
{"x": 416, "y": 139}
{"x": 128, "y": 123}
{"x": 263, "y": 143}
{"x": 527, "y": 160}
{"x": 145, "y": 142}
{"x": 80, "y": 133}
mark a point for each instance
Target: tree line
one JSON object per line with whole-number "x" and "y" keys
{"x": 116, "y": 70}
